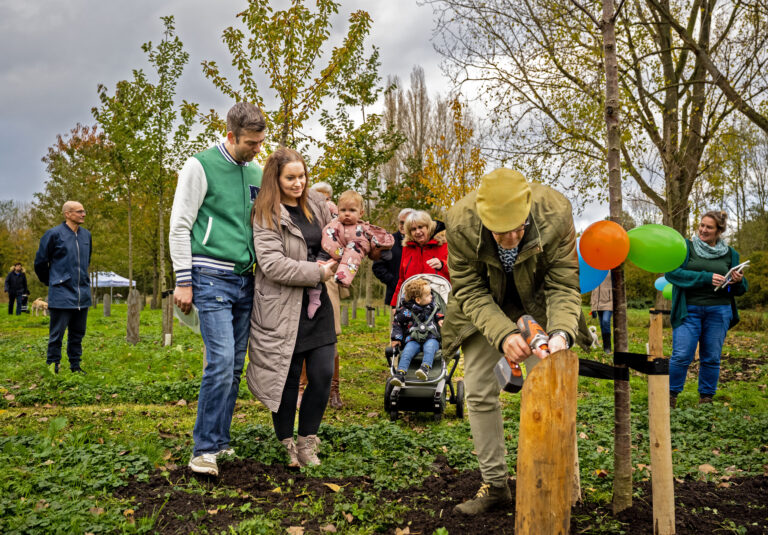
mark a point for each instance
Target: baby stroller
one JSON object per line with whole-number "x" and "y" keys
{"x": 430, "y": 395}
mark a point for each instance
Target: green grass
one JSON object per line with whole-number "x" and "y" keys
{"x": 67, "y": 441}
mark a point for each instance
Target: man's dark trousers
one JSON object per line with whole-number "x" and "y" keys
{"x": 74, "y": 321}
{"x": 14, "y": 298}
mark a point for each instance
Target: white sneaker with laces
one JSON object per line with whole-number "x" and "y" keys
{"x": 229, "y": 452}
{"x": 204, "y": 464}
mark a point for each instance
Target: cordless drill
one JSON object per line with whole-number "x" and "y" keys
{"x": 510, "y": 374}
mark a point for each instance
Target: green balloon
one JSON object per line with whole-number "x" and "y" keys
{"x": 667, "y": 292}
{"x": 656, "y": 248}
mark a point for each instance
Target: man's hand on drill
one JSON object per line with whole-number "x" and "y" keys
{"x": 516, "y": 349}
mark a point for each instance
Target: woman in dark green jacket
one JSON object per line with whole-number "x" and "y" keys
{"x": 702, "y": 313}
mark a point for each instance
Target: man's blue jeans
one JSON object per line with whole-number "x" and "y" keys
{"x": 17, "y": 298}
{"x": 707, "y": 326}
{"x": 605, "y": 320}
{"x": 224, "y": 301}
{"x": 412, "y": 348}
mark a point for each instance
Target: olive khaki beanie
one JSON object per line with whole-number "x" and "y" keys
{"x": 503, "y": 200}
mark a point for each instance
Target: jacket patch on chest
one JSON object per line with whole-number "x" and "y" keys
{"x": 254, "y": 192}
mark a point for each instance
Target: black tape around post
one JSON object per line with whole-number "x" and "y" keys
{"x": 637, "y": 361}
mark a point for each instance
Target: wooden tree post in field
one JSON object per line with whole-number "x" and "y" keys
{"x": 547, "y": 446}
{"x": 133, "y": 317}
{"x": 662, "y": 479}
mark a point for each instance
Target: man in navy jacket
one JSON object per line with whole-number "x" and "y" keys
{"x": 61, "y": 264}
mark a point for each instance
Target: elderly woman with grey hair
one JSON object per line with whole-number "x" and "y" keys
{"x": 425, "y": 250}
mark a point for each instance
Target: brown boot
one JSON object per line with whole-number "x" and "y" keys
{"x": 293, "y": 455}
{"x": 307, "y": 450}
{"x": 487, "y": 498}
{"x": 672, "y": 401}
{"x": 335, "y": 400}
{"x": 302, "y": 383}
{"x": 705, "y": 399}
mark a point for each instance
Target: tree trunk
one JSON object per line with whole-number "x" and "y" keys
{"x": 161, "y": 260}
{"x": 622, "y": 459}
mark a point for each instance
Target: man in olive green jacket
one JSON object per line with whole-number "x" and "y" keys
{"x": 512, "y": 251}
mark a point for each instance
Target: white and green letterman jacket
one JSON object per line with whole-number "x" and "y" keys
{"x": 211, "y": 214}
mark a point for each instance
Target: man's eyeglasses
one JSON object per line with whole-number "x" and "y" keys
{"x": 521, "y": 228}
{"x": 76, "y": 211}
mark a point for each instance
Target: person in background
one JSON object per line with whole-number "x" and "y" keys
{"x": 61, "y": 263}
{"x": 701, "y": 313}
{"x": 211, "y": 245}
{"x": 326, "y": 189}
{"x": 288, "y": 220}
{"x": 512, "y": 252}
{"x": 16, "y": 288}
{"x": 601, "y": 305}
{"x": 387, "y": 268}
{"x": 425, "y": 250}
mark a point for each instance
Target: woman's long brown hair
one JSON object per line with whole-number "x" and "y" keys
{"x": 266, "y": 207}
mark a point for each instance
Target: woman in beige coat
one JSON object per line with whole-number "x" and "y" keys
{"x": 287, "y": 228}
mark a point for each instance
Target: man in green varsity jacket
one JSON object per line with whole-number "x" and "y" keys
{"x": 211, "y": 245}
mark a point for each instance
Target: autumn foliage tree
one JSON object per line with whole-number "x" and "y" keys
{"x": 453, "y": 169}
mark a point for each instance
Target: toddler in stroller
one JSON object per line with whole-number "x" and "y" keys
{"x": 416, "y": 324}
{"x": 416, "y": 331}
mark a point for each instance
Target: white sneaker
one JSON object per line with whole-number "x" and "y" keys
{"x": 229, "y": 452}
{"x": 204, "y": 464}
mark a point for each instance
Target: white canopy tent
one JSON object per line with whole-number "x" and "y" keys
{"x": 110, "y": 279}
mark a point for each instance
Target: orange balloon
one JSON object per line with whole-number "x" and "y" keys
{"x": 604, "y": 245}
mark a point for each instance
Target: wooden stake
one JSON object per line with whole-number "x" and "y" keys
{"x": 662, "y": 482}
{"x": 344, "y": 315}
{"x": 168, "y": 320}
{"x": 546, "y": 446}
{"x": 107, "y": 305}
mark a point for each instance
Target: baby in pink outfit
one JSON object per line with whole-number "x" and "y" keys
{"x": 348, "y": 238}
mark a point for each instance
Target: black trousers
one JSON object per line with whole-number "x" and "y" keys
{"x": 74, "y": 321}
{"x": 319, "y": 374}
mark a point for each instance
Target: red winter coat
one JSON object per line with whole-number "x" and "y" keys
{"x": 414, "y": 260}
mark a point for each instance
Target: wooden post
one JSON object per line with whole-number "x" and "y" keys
{"x": 662, "y": 482}
{"x": 354, "y": 308}
{"x": 168, "y": 320}
{"x": 107, "y": 305}
{"x": 546, "y": 446}
{"x": 133, "y": 317}
{"x": 344, "y": 315}
{"x": 370, "y": 317}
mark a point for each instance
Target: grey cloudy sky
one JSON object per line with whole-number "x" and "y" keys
{"x": 56, "y": 53}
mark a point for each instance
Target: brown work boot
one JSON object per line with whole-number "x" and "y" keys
{"x": 307, "y": 450}
{"x": 335, "y": 400}
{"x": 487, "y": 498}
{"x": 672, "y": 401}
{"x": 293, "y": 455}
{"x": 705, "y": 399}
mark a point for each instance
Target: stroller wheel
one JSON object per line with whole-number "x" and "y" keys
{"x": 393, "y": 416}
{"x": 459, "y": 399}
{"x": 438, "y": 417}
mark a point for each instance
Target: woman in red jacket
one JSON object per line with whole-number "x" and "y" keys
{"x": 424, "y": 250}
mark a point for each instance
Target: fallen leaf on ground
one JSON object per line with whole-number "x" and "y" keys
{"x": 181, "y": 403}
{"x": 212, "y": 511}
{"x": 333, "y": 486}
{"x": 707, "y": 469}
{"x": 405, "y": 531}
{"x": 96, "y": 510}
{"x": 328, "y": 528}
{"x": 295, "y": 530}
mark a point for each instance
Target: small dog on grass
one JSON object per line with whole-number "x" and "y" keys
{"x": 39, "y": 305}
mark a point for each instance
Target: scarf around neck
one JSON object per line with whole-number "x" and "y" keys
{"x": 704, "y": 250}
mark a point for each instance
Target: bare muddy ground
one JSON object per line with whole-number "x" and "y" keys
{"x": 187, "y": 502}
